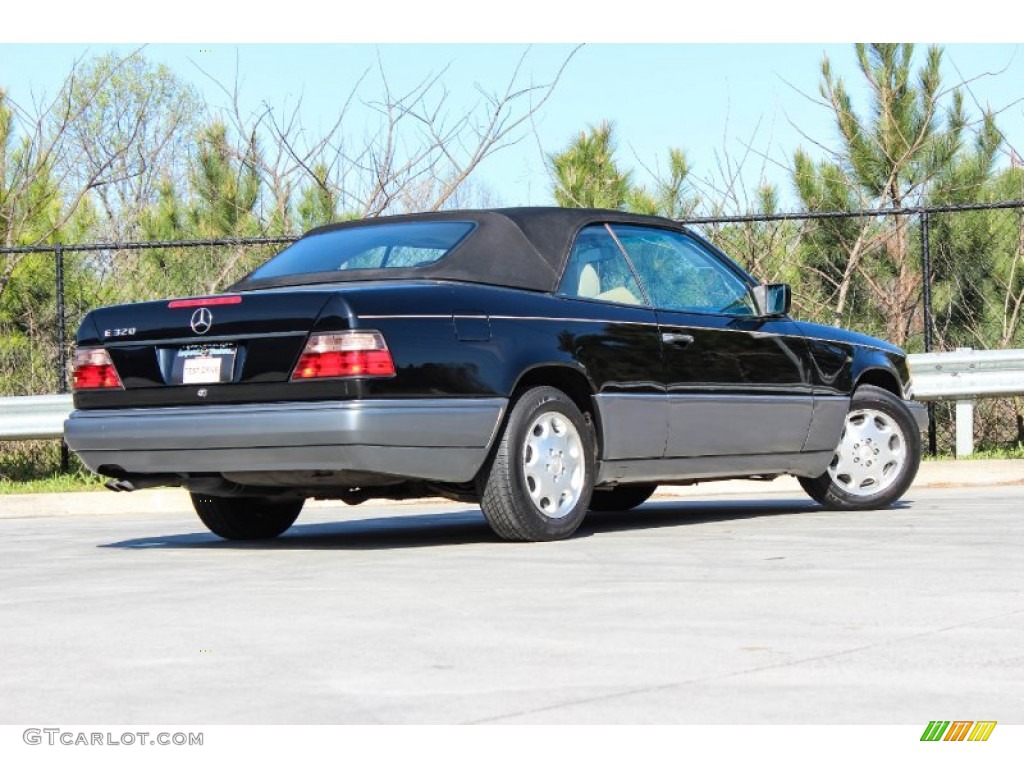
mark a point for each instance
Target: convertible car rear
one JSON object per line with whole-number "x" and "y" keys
{"x": 539, "y": 361}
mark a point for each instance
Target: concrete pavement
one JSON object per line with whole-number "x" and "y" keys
{"x": 734, "y": 609}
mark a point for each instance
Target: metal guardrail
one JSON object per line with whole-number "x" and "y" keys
{"x": 39, "y": 417}
{"x": 964, "y": 376}
{"x": 967, "y": 374}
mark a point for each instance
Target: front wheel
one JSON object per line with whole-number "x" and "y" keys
{"x": 537, "y": 485}
{"x": 877, "y": 457}
{"x": 246, "y": 517}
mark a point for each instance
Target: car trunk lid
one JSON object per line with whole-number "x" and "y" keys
{"x": 226, "y": 341}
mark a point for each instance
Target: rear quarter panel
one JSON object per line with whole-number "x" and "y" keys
{"x": 464, "y": 340}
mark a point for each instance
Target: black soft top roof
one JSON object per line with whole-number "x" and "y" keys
{"x": 515, "y": 247}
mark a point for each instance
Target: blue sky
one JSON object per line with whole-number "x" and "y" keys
{"x": 751, "y": 102}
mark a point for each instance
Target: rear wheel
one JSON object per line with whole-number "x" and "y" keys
{"x": 621, "y": 498}
{"x": 877, "y": 457}
{"x": 246, "y": 517}
{"x": 537, "y": 486}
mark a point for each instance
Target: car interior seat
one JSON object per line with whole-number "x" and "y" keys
{"x": 590, "y": 281}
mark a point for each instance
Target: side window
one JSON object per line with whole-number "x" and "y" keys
{"x": 597, "y": 270}
{"x": 680, "y": 274}
{"x": 392, "y": 256}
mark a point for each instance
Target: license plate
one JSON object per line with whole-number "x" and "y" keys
{"x": 203, "y": 365}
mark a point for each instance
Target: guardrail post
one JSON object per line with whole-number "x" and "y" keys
{"x": 964, "y": 427}
{"x": 62, "y": 353}
{"x": 926, "y": 284}
{"x": 926, "y": 281}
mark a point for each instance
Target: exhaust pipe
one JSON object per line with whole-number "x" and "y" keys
{"x": 214, "y": 485}
{"x": 139, "y": 482}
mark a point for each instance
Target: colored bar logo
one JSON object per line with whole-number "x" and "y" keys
{"x": 958, "y": 730}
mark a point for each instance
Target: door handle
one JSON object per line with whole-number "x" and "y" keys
{"x": 678, "y": 339}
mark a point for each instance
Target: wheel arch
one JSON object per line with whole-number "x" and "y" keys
{"x": 570, "y": 380}
{"x": 883, "y": 378}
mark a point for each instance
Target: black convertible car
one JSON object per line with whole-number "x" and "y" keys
{"x": 538, "y": 361}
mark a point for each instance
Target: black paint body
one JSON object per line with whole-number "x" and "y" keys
{"x": 617, "y": 348}
{"x": 668, "y": 390}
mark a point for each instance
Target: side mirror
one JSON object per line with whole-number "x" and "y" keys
{"x": 773, "y": 299}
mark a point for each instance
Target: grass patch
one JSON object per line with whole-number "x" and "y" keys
{"x": 33, "y": 466}
{"x": 69, "y": 483}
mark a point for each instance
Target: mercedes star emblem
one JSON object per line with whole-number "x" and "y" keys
{"x": 202, "y": 319}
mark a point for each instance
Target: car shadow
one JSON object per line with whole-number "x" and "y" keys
{"x": 468, "y": 526}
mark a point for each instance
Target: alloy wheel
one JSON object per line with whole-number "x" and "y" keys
{"x": 553, "y": 464}
{"x": 871, "y": 454}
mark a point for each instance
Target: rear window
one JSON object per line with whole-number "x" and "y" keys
{"x": 380, "y": 246}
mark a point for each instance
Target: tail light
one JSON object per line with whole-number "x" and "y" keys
{"x": 93, "y": 369}
{"x": 344, "y": 354}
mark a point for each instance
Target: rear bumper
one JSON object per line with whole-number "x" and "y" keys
{"x": 444, "y": 440}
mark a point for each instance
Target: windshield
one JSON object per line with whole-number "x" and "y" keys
{"x": 379, "y": 246}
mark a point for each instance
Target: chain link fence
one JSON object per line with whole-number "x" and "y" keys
{"x": 927, "y": 279}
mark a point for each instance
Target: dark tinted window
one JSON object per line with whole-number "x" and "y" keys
{"x": 680, "y": 274}
{"x": 381, "y": 246}
{"x": 598, "y": 270}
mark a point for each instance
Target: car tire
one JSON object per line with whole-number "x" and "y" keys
{"x": 246, "y": 518}
{"x": 877, "y": 457}
{"x": 621, "y": 498}
{"x": 538, "y": 483}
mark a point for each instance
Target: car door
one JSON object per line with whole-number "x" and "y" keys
{"x": 615, "y": 338}
{"x": 737, "y": 384}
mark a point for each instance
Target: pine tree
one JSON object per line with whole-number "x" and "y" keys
{"x": 586, "y": 173}
{"x": 318, "y": 203}
{"x": 899, "y": 155}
